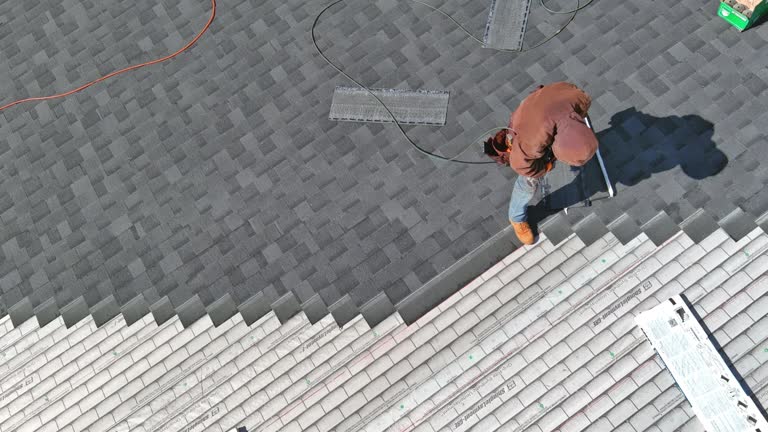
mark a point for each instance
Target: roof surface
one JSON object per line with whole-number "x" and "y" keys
{"x": 215, "y": 183}
{"x": 545, "y": 340}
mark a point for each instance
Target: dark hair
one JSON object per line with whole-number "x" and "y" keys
{"x": 490, "y": 148}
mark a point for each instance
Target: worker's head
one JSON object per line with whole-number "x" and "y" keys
{"x": 496, "y": 147}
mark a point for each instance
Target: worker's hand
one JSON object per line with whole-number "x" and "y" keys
{"x": 501, "y": 158}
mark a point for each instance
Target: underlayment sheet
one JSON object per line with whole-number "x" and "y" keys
{"x": 568, "y": 186}
{"x": 506, "y": 24}
{"x": 424, "y": 107}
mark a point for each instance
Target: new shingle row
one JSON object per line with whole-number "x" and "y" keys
{"x": 545, "y": 340}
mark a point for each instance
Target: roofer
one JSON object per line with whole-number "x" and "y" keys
{"x": 547, "y": 126}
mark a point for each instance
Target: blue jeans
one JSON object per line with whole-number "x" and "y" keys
{"x": 525, "y": 188}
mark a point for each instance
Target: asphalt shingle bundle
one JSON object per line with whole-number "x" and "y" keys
{"x": 409, "y": 107}
{"x": 507, "y": 22}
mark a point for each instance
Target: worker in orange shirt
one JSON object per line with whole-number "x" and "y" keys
{"x": 547, "y": 126}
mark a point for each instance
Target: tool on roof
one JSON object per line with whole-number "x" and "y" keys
{"x": 742, "y": 14}
{"x": 608, "y": 183}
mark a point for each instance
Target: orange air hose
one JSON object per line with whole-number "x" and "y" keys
{"x": 118, "y": 72}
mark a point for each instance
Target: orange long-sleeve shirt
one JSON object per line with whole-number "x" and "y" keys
{"x": 550, "y": 121}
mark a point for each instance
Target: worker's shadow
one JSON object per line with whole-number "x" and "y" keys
{"x": 634, "y": 147}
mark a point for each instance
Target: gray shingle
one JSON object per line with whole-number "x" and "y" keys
{"x": 255, "y": 307}
{"x": 74, "y": 311}
{"x": 660, "y": 228}
{"x": 763, "y": 222}
{"x": 590, "y": 229}
{"x": 556, "y": 229}
{"x": 162, "y": 310}
{"x": 738, "y": 224}
{"x": 315, "y": 309}
{"x": 624, "y": 228}
{"x": 377, "y": 309}
{"x": 105, "y": 310}
{"x": 46, "y": 312}
{"x": 191, "y": 311}
{"x": 699, "y": 226}
{"x": 344, "y": 310}
{"x": 222, "y": 310}
{"x": 135, "y": 309}
{"x": 21, "y": 312}
{"x": 464, "y": 270}
{"x": 286, "y": 307}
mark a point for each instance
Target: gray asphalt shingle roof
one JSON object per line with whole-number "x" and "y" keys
{"x": 214, "y": 192}
{"x": 215, "y": 183}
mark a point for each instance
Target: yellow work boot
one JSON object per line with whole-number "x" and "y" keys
{"x": 523, "y": 231}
